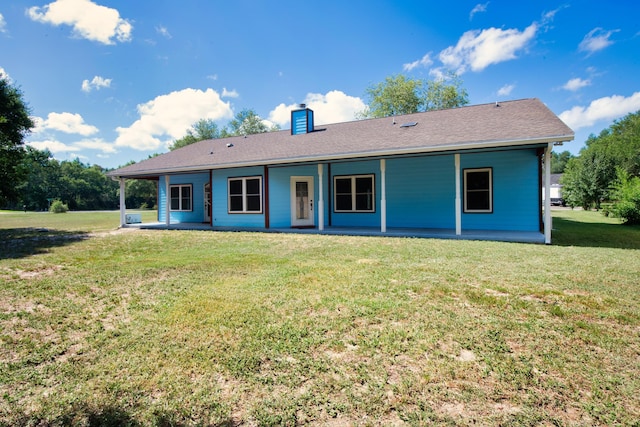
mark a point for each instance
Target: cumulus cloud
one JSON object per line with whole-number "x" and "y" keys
{"x": 97, "y": 83}
{"x": 481, "y": 7}
{"x": 334, "y": 107}
{"x": 229, "y": 93}
{"x": 576, "y": 84}
{"x": 506, "y": 90}
{"x": 597, "y": 39}
{"x": 64, "y": 122}
{"x": 167, "y": 117}
{"x": 5, "y": 75}
{"x": 88, "y": 20}
{"x": 52, "y": 145}
{"x": 608, "y": 108}
{"x": 3, "y": 24}
{"x": 425, "y": 62}
{"x": 478, "y": 49}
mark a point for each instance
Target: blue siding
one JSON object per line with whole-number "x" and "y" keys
{"x": 197, "y": 182}
{"x": 220, "y": 210}
{"x": 515, "y": 191}
{"x": 421, "y": 192}
{"x": 280, "y": 193}
{"x": 369, "y": 219}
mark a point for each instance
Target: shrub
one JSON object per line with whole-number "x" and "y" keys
{"x": 625, "y": 198}
{"x": 58, "y": 207}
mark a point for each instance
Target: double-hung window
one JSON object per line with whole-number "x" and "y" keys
{"x": 355, "y": 193}
{"x": 245, "y": 194}
{"x": 181, "y": 197}
{"x": 478, "y": 190}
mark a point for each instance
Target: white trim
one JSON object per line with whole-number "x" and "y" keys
{"x": 181, "y": 186}
{"x": 358, "y": 155}
{"x": 354, "y": 193}
{"x": 244, "y": 194}
{"x": 123, "y": 208}
{"x": 466, "y": 198}
{"x": 456, "y": 158}
{"x": 320, "y": 197}
{"x": 383, "y": 196}
{"x": 547, "y": 191}
{"x": 310, "y": 221}
{"x": 167, "y": 197}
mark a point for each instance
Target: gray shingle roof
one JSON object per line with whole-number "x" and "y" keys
{"x": 511, "y": 123}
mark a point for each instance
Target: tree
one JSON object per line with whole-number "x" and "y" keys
{"x": 625, "y": 197}
{"x": 559, "y": 161}
{"x": 247, "y": 122}
{"x": 200, "y": 130}
{"x": 15, "y": 124}
{"x": 402, "y": 95}
{"x": 42, "y": 179}
{"x": 588, "y": 178}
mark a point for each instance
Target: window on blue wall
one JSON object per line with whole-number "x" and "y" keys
{"x": 354, "y": 193}
{"x": 478, "y": 190}
{"x": 180, "y": 197}
{"x": 245, "y": 194}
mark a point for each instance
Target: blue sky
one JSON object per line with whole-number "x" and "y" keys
{"x": 109, "y": 81}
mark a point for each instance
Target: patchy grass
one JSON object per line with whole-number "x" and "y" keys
{"x": 211, "y": 328}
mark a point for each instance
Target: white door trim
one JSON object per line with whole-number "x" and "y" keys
{"x": 308, "y": 207}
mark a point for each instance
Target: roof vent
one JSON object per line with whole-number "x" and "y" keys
{"x": 301, "y": 120}
{"x": 408, "y": 124}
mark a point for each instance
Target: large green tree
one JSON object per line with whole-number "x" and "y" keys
{"x": 588, "y": 178}
{"x": 15, "y": 124}
{"x": 247, "y": 122}
{"x": 200, "y": 130}
{"x": 400, "y": 94}
{"x": 42, "y": 181}
{"x": 559, "y": 161}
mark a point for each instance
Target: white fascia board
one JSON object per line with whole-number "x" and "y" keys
{"x": 357, "y": 155}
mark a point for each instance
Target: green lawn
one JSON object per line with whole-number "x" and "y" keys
{"x": 127, "y": 327}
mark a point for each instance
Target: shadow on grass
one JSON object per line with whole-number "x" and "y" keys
{"x": 108, "y": 416}
{"x": 567, "y": 232}
{"x": 23, "y": 242}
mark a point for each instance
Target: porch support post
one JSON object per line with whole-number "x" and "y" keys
{"x": 547, "y": 193}
{"x": 320, "y": 204}
{"x": 383, "y": 196}
{"x": 123, "y": 208}
{"x": 458, "y": 198}
{"x": 167, "y": 202}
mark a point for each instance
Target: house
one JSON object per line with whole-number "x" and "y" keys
{"x": 469, "y": 172}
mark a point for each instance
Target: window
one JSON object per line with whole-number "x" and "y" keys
{"x": 478, "y": 190}
{"x": 245, "y": 195}
{"x": 180, "y": 197}
{"x": 354, "y": 193}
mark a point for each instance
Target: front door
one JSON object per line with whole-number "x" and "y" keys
{"x": 302, "y": 201}
{"x": 207, "y": 202}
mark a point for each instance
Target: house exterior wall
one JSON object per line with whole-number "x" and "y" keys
{"x": 516, "y": 204}
{"x": 220, "y": 201}
{"x": 197, "y": 180}
{"x": 356, "y": 219}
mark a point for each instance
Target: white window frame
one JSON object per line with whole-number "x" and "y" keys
{"x": 180, "y": 197}
{"x": 354, "y": 194}
{"x": 466, "y": 191}
{"x": 244, "y": 194}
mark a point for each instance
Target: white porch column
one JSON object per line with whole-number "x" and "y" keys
{"x": 458, "y": 198}
{"x": 123, "y": 208}
{"x": 167, "y": 214}
{"x": 547, "y": 193}
{"x": 320, "y": 204}
{"x": 383, "y": 196}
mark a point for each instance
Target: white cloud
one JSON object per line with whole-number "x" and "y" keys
{"x": 425, "y": 62}
{"x": 597, "y": 39}
{"x": 229, "y": 93}
{"x": 478, "y": 49}
{"x": 51, "y": 145}
{"x": 576, "y": 84}
{"x": 3, "y": 24}
{"x": 477, "y": 9}
{"x": 334, "y": 107}
{"x": 167, "y": 117}
{"x": 96, "y": 144}
{"x": 64, "y": 122}
{"x": 97, "y": 83}
{"x": 212, "y": 77}
{"x": 89, "y": 20}
{"x": 607, "y": 108}
{"x": 506, "y": 90}
{"x": 163, "y": 32}
{"x": 5, "y": 75}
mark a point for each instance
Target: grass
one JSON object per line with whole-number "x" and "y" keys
{"x": 105, "y": 327}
